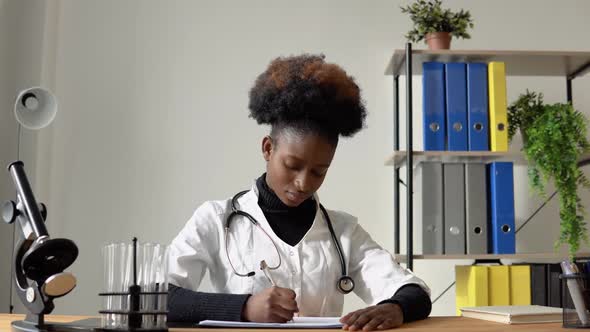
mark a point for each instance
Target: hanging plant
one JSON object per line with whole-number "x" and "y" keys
{"x": 554, "y": 139}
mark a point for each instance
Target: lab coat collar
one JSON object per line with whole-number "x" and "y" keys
{"x": 249, "y": 203}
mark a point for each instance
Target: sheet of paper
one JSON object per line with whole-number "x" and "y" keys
{"x": 296, "y": 323}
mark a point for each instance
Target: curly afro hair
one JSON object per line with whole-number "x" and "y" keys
{"x": 307, "y": 94}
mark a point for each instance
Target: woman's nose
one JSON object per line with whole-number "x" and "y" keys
{"x": 302, "y": 182}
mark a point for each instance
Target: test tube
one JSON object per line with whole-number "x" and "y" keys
{"x": 162, "y": 286}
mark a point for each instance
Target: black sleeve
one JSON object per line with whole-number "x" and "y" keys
{"x": 414, "y": 302}
{"x": 187, "y": 306}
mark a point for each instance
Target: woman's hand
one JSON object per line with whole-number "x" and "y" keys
{"x": 272, "y": 305}
{"x": 378, "y": 317}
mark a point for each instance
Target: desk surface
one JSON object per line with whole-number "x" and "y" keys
{"x": 445, "y": 324}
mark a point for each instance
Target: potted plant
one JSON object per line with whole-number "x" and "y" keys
{"x": 554, "y": 139}
{"x": 435, "y": 24}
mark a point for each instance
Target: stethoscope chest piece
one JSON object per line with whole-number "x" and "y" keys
{"x": 345, "y": 284}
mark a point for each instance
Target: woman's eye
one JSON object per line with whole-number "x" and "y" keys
{"x": 291, "y": 167}
{"x": 319, "y": 174}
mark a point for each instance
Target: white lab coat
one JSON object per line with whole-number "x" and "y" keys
{"x": 311, "y": 268}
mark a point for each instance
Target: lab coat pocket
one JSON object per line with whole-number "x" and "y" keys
{"x": 319, "y": 280}
{"x": 315, "y": 265}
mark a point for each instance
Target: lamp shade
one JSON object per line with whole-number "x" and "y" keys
{"x": 35, "y": 108}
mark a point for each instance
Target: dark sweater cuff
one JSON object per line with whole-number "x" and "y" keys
{"x": 187, "y": 306}
{"x": 414, "y": 302}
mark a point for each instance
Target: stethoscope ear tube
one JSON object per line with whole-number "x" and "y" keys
{"x": 345, "y": 283}
{"x": 249, "y": 274}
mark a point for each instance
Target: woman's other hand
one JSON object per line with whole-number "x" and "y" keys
{"x": 378, "y": 317}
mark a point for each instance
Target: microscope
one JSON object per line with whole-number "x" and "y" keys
{"x": 39, "y": 261}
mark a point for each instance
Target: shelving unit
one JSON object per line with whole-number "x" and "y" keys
{"x": 408, "y": 62}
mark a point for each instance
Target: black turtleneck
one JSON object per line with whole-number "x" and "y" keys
{"x": 290, "y": 224}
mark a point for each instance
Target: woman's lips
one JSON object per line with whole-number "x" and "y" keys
{"x": 296, "y": 197}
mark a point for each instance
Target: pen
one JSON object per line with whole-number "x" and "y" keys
{"x": 265, "y": 269}
{"x": 575, "y": 290}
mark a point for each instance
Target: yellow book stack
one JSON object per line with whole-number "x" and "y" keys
{"x": 520, "y": 284}
{"x": 502, "y": 285}
{"x": 471, "y": 286}
{"x": 498, "y": 105}
{"x": 499, "y": 285}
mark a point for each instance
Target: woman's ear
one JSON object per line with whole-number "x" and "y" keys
{"x": 267, "y": 146}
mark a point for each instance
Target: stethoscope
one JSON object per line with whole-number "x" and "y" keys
{"x": 345, "y": 283}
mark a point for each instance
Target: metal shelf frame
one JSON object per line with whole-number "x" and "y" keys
{"x": 408, "y": 59}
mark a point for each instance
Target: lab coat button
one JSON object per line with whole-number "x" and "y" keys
{"x": 292, "y": 253}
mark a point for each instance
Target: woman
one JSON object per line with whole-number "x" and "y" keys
{"x": 285, "y": 260}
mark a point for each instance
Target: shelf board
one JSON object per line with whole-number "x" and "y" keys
{"x": 398, "y": 158}
{"x": 523, "y": 256}
{"x": 518, "y": 63}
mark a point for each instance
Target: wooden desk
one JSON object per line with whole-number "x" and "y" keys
{"x": 444, "y": 324}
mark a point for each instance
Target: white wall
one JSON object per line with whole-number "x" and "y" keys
{"x": 8, "y": 150}
{"x": 153, "y": 112}
{"x": 23, "y": 40}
